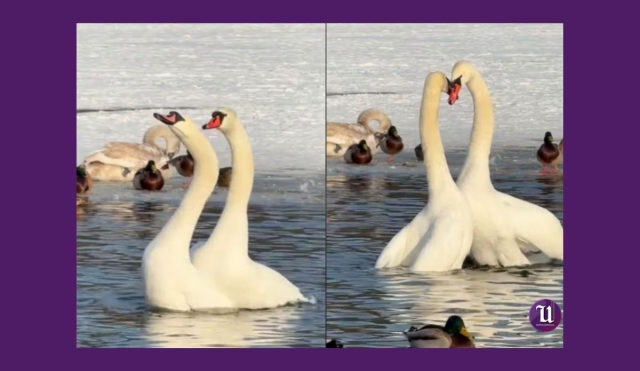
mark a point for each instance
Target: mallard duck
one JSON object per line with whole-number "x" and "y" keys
{"x": 549, "y": 154}
{"x": 184, "y": 165}
{"x": 83, "y": 180}
{"x": 419, "y": 153}
{"x": 224, "y": 178}
{"x": 149, "y": 178}
{"x": 454, "y": 334}
{"x": 391, "y": 143}
{"x": 358, "y": 153}
{"x": 333, "y": 343}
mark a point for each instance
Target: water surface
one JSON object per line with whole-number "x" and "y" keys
{"x": 286, "y": 232}
{"x": 368, "y": 205}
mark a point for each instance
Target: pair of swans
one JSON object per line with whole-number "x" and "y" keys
{"x": 470, "y": 216}
{"x": 216, "y": 274}
{"x": 119, "y": 161}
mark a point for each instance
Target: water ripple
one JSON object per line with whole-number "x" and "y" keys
{"x": 287, "y": 232}
{"x": 367, "y": 205}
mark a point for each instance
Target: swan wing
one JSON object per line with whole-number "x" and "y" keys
{"x": 404, "y": 242}
{"x": 350, "y": 130}
{"x": 446, "y": 245}
{"x": 343, "y": 140}
{"x": 129, "y": 155}
{"x": 536, "y": 228}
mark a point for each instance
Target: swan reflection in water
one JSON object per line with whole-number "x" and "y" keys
{"x": 237, "y": 330}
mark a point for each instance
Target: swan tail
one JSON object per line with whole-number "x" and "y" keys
{"x": 536, "y": 228}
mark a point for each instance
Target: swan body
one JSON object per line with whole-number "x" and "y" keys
{"x": 439, "y": 237}
{"x": 505, "y": 227}
{"x": 340, "y": 136}
{"x": 119, "y": 161}
{"x": 171, "y": 280}
{"x": 224, "y": 257}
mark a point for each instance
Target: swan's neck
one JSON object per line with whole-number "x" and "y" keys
{"x": 372, "y": 114}
{"x": 176, "y": 234}
{"x": 232, "y": 231}
{"x": 482, "y": 132}
{"x": 435, "y": 162}
{"x": 242, "y": 170}
{"x": 151, "y": 137}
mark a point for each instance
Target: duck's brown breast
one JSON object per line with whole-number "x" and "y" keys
{"x": 548, "y": 153}
{"x": 152, "y": 181}
{"x": 186, "y": 167}
{"x": 393, "y": 145}
{"x": 361, "y": 157}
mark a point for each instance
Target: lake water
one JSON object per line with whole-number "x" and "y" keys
{"x": 286, "y": 232}
{"x": 368, "y": 205}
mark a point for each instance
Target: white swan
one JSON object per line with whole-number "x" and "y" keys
{"x": 224, "y": 257}
{"x": 171, "y": 280}
{"x": 341, "y": 136}
{"x": 504, "y": 227}
{"x": 439, "y": 237}
{"x": 118, "y": 161}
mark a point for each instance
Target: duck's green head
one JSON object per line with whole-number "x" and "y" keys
{"x": 151, "y": 166}
{"x": 81, "y": 171}
{"x": 548, "y": 138}
{"x": 455, "y": 325}
{"x": 363, "y": 145}
{"x": 393, "y": 132}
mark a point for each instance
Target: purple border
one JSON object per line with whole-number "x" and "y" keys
{"x": 40, "y": 82}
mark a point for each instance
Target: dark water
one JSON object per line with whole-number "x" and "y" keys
{"x": 368, "y": 205}
{"x": 286, "y": 232}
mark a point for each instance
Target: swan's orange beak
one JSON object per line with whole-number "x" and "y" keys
{"x": 169, "y": 119}
{"x": 453, "y": 93}
{"x": 215, "y": 122}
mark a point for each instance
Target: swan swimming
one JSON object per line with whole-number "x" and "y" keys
{"x": 224, "y": 257}
{"x": 505, "y": 227}
{"x": 439, "y": 237}
{"x": 171, "y": 280}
